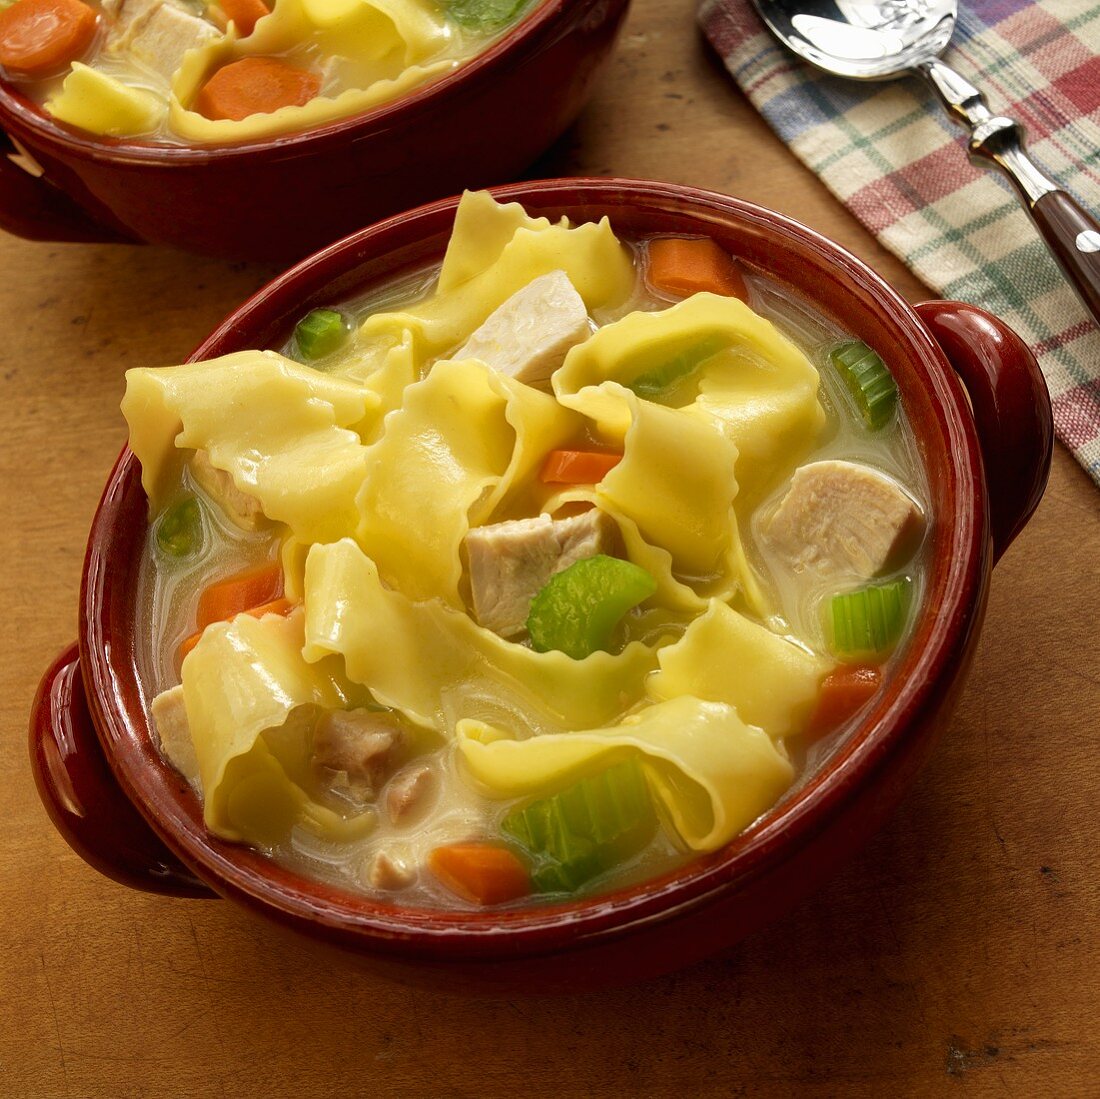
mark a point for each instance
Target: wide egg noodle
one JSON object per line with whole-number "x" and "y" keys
{"x": 387, "y": 367}
{"x": 482, "y": 230}
{"x": 755, "y": 382}
{"x": 713, "y": 773}
{"x": 442, "y": 451}
{"x": 423, "y": 658}
{"x": 477, "y": 281}
{"x": 102, "y": 104}
{"x": 672, "y": 495}
{"x": 385, "y": 48}
{"x": 725, "y": 657}
{"x": 251, "y": 700}
{"x": 463, "y": 438}
{"x": 287, "y": 434}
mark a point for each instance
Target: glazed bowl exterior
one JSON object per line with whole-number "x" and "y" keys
{"x": 280, "y": 198}
{"x": 981, "y": 417}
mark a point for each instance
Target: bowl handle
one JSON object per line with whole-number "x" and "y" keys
{"x": 1011, "y": 408}
{"x": 32, "y": 208}
{"x": 82, "y": 796}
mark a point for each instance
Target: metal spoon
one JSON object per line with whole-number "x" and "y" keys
{"x": 883, "y": 39}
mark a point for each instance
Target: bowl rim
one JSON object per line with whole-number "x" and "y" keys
{"x": 944, "y": 631}
{"x": 524, "y": 36}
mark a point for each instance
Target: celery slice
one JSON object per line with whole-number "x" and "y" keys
{"x": 659, "y": 382}
{"x": 484, "y": 15}
{"x": 579, "y": 608}
{"x": 320, "y": 333}
{"x": 868, "y": 622}
{"x": 586, "y": 829}
{"x": 179, "y": 531}
{"x": 870, "y": 383}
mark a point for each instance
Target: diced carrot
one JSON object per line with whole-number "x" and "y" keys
{"x": 842, "y": 693}
{"x": 578, "y": 467}
{"x": 255, "y": 85}
{"x": 244, "y": 13}
{"x": 252, "y": 588}
{"x": 41, "y": 37}
{"x": 276, "y": 606}
{"x": 480, "y": 872}
{"x": 688, "y": 265}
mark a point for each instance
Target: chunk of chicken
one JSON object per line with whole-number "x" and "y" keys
{"x": 160, "y": 37}
{"x": 408, "y": 792}
{"x": 174, "y": 733}
{"x": 359, "y": 747}
{"x": 511, "y": 562}
{"x": 127, "y": 12}
{"x": 387, "y": 872}
{"x": 843, "y": 520}
{"x": 242, "y": 510}
{"x": 529, "y": 335}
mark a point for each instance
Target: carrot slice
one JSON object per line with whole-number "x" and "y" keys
{"x": 842, "y": 693}
{"x": 578, "y": 467}
{"x": 255, "y": 85}
{"x": 688, "y": 265}
{"x": 480, "y": 872}
{"x": 252, "y": 588}
{"x": 39, "y": 37}
{"x": 276, "y": 606}
{"x": 244, "y": 13}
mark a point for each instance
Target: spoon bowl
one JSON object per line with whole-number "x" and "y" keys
{"x": 884, "y": 39}
{"x": 873, "y": 40}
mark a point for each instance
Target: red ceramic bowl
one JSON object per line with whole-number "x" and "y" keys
{"x": 980, "y": 411}
{"x": 284, "y": 197}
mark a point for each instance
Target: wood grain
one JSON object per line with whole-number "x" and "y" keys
{"x": 958, "y": 951}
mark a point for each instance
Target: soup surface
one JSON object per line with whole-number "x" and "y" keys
{"x": 214, "y": 71}
{"x": 532, "y": 575}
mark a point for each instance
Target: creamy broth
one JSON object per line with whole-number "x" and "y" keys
{"x": 450, "y": 808}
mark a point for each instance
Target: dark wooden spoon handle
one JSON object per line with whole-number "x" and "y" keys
{"x": 1074, "y": 238}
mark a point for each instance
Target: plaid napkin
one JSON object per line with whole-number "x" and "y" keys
{"x": 889, "y": 152}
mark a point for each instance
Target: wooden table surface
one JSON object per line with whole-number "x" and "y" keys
{"x": 958, "y": 951}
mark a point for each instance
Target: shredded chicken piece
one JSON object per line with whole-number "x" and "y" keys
{"x": 408, "y": 792}
{"x": 843, "y": 520}
{"x": 242, "y": 510}
{"x": 529, "y": 335}
{"x": 158, "y": 35}
{"x": 174, "y": 733}
{"x": 511, "y": 562}
{"x": 359, "y": 747}
{"x": 390, "y": 873}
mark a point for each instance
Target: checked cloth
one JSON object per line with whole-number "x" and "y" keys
{"x": 889, "y": 152}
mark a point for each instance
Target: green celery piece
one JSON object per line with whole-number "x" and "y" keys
{"x": 586, "y": 829}
{"x": 658, "y": 382}
{"x": 179, "y": 531}
{"x": 483, "y": 15}
{"x": 868, "y": 622}
{"x": 868, "y": 380}
{"x": 320, "y": 333}
{"x": 579, "y": 608}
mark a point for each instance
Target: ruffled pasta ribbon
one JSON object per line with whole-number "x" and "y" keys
{"x": 436, "y": 665}
{"x": 758, "y": 387}
{"x": 727, "y": 693}
{"x": 495, "y": 250}
{"x": 713, "y": 773}
{"x": 251, "y": 704}
{"x": 287, "y": 434}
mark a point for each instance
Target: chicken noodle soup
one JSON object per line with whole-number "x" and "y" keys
{"x": 532, "y": 575}
{"x": 206, "y": 71}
